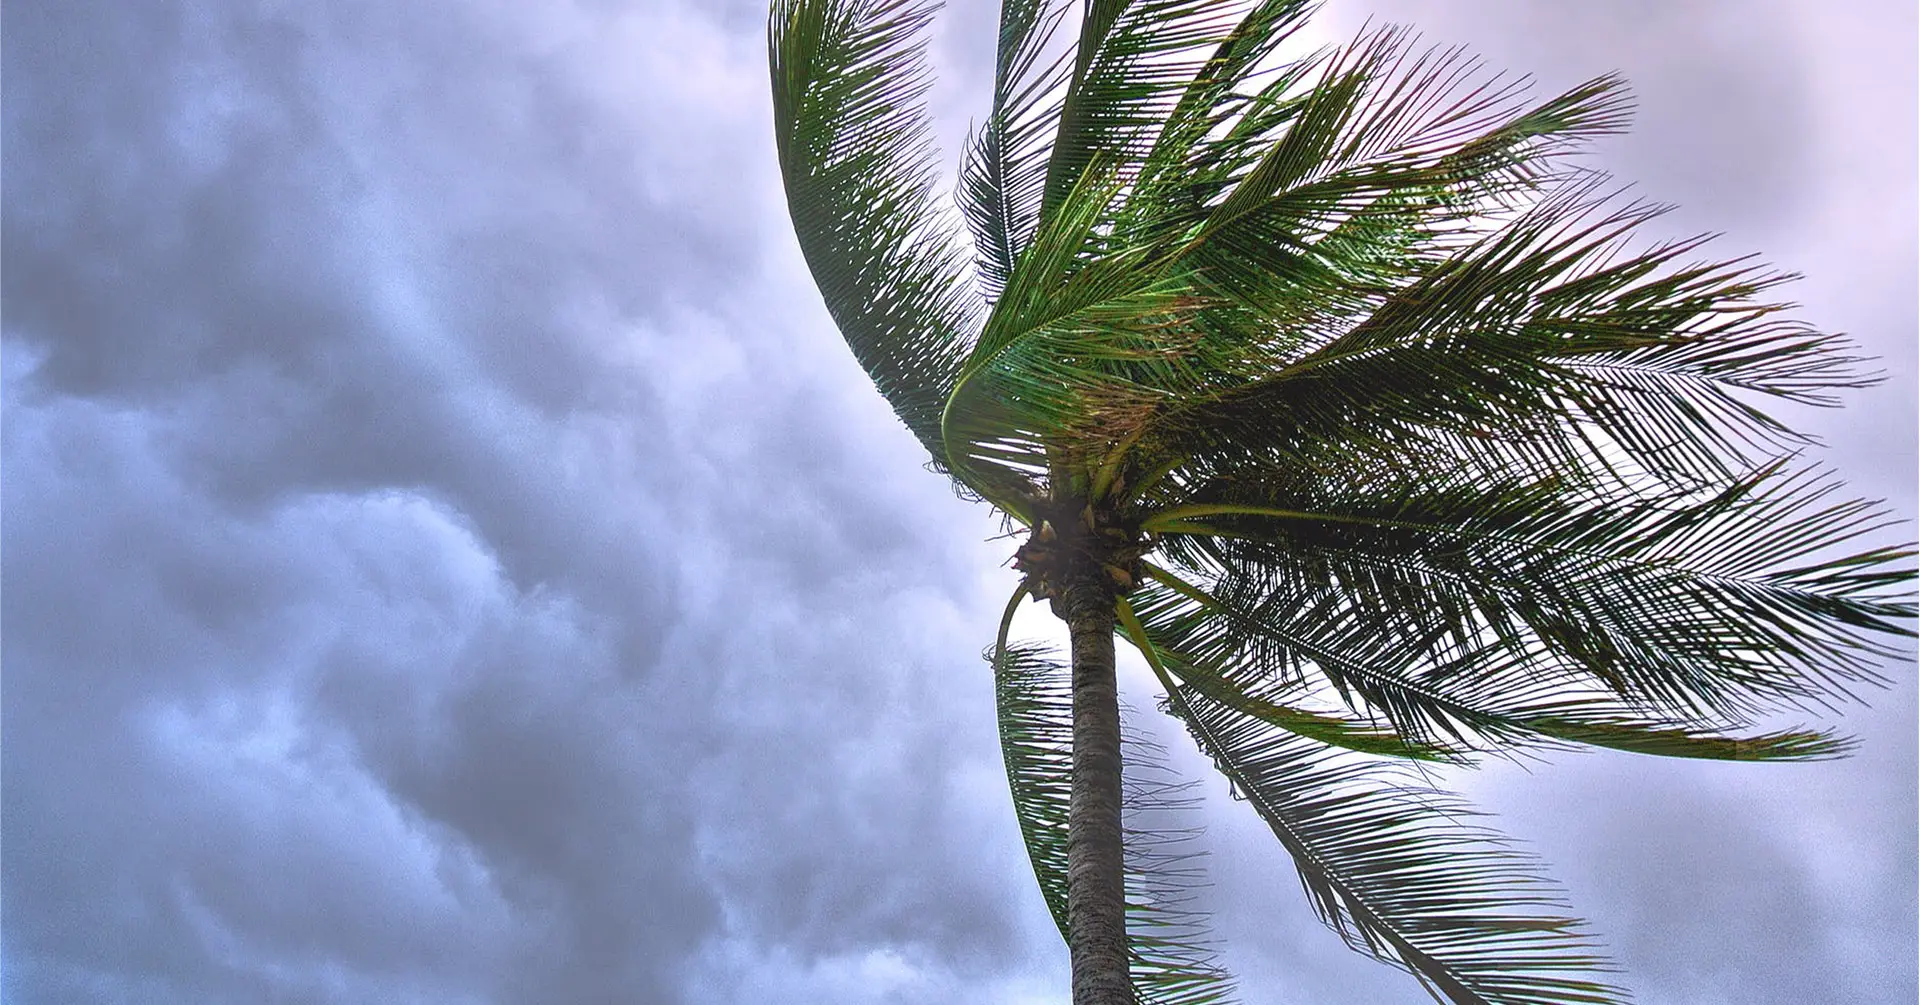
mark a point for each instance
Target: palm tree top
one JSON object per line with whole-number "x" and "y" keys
{"x": 1384, "y": 432}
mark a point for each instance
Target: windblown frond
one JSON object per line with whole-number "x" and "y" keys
{"x": 1454, "y": 606}
{"x": 1388, "y": 863}
{"x": 1669, "y": 608}
{"x": 1134, "y": 60}
{"x": 848, "y": 78}
{"x": 1537, "y": 339}
{"x": 1296, "y": 653}
{"x": 1276, "y": 703}
{"x": 1006, "y": 165}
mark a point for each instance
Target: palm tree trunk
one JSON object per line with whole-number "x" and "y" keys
{"x": 1096, "y": 873}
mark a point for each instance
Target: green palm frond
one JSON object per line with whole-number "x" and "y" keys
{"x": 1382, "y": 119}
{"x": 1388, "y": 863}
{"x": 1080, "y": 334}
{"x": 1293, "y": 651}
{"x": 1006, "y": 164}
{"x": 855, "y": 155}
{"x": 1537, "y": 342}
{"x": 1293, "y": 218}
{"x": 1303, "y": 645}
{"x": 1133, "y": 61}
{"x": 1311, "y": 193}
{"x": 1275, "y": 702}
{"x": 1220, "y": 96}
{"x": 1674, "y": 607}
{"x": 1036, "y": 720}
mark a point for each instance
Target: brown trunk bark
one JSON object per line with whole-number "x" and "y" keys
{"x": 1096, "y": 876}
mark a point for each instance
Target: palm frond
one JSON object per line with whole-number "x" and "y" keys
{"x": 1277, "y": 705}
{"x": 856, "y": 159}
{"x": 1291, "y": 648}
{"x": 1221, "y": 97}
{"x": 1455, "y": 608}
{"x": 1388, "y": 864}
{"x": 1537, "y": 342}
{"x": 1333, "y": 654}
{"x": 1133, "y": 61}
{"x": 1005, "y": 169}
{"x": 1403, "y": 714}
{"x": 1677, "y": 606}
{"x": 1079, "y": 324}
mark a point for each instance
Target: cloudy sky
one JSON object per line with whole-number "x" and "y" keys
{"x": 450, "y": 558}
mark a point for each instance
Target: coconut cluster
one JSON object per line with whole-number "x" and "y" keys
{"x": 1059, "y": 549}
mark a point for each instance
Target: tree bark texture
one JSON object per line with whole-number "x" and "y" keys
{"x": 1096, "y": 871}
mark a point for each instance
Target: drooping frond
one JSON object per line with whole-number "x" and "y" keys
{"x": 1276, "y": 703}
{"x": 1171, "y": 956}
{"x": 1172, "y": 962}
{"x": 855, "y": 155}
{"x": 1388, "y": 863}
{"x": 1036, "y": 738}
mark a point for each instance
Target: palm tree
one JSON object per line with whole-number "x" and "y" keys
{"x": 1334, "y": 386}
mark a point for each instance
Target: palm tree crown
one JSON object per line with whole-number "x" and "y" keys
{"x": 1333, "y": 386}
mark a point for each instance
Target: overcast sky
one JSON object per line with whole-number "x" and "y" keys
{"x": 451, "y": 558}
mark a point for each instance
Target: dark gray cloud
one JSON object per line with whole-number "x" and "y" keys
{"x": 449, "y": 556}
{"x": 434, "y": 549}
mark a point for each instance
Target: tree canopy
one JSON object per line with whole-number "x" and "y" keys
{"x": 1394, "y": 439}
